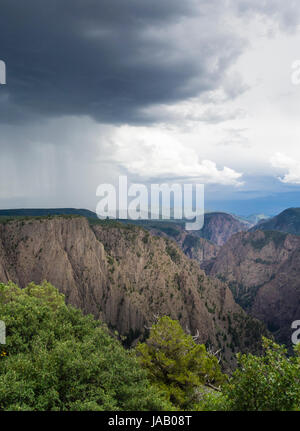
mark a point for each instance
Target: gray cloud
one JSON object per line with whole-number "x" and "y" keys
{"x": 286, "y": 13}
{"x": 110, "y": 58}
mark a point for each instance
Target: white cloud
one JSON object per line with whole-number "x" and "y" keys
{"x": 153, "y": 153}
{"x": 292, "y": 166}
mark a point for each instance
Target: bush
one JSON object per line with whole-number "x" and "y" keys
{"x": 57, "y": 359}
{"x": 265, "y": 383}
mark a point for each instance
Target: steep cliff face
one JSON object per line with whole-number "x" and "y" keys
{"x": 125, "y": 276}
{"x": 263, "y": 271}
{"x": 278, "y": 301}
{"x": 219, "y": 227}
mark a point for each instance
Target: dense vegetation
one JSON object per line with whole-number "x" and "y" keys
{"x": 57, "y": 359}
{"x": 270, "y": 382}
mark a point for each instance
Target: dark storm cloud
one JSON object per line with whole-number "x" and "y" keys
{"x": 108, "y": 59}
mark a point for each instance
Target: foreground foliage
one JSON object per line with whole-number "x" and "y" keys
{"x": 185, "y": 372}
{"x": 177, "y": 365}
{"x": 57, "y": 359}
{"x": 270, "y": 382}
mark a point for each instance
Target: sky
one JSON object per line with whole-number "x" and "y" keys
{"x": 204, "y": 91}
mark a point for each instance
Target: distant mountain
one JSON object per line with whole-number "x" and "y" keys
{"x": 44, "y": 212}
{"x": 262, "y": 269}
{"x": 288, "y": 221}
{"x": 219, "y": 227}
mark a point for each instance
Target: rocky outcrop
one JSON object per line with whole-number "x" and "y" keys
{"x": 219, "y": 227}
{"x": 125, "y": 276}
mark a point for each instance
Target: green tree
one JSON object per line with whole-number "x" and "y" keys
{"x": 57, "y": 359}
{"x": 265, "y": 383}
{"x": 176, "y": 364}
